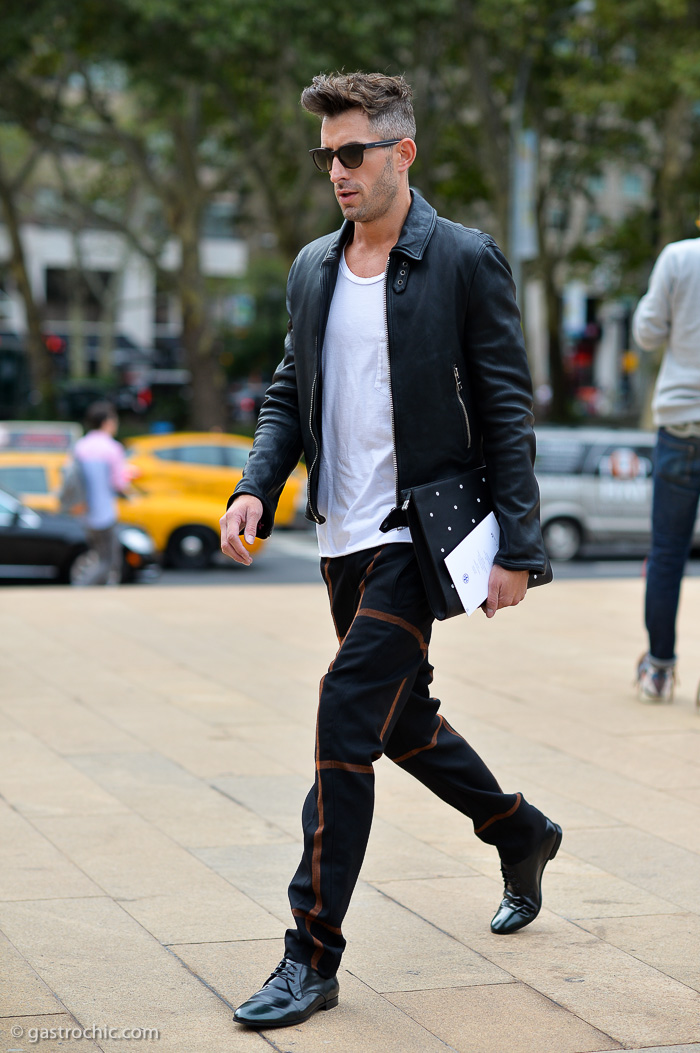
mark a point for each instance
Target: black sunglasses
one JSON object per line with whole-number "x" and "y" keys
{"x": 350, "y": 156}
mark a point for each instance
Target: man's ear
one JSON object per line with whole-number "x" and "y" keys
{"x": 407, "y": 154}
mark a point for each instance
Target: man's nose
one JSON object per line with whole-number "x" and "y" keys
{"x": 337, "y": 171}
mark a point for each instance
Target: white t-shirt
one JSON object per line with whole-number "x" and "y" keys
{"x": 357, "y": 479}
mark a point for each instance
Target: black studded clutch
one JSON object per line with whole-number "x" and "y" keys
{"x": 440, "y": 515}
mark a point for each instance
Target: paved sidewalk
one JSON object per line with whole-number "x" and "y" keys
{"x": 155, "y": 748}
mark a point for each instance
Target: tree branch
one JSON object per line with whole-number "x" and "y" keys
{"x": 93, "y": 215}
{"x": 131, "y": 144}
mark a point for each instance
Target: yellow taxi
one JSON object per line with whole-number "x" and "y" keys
{"x": 205, "y": 463}
{"x": 33, "y": 476}
{"x": 184, "y": 525}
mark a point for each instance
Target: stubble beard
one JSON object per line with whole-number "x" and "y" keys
{"x": 382, "y": 196}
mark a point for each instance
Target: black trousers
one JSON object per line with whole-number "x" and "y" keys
{"x": 375, "y": 699}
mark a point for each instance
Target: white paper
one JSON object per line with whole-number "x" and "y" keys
{"x": 470, "y": 563}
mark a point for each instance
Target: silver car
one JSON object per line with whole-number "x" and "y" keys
{"x": 595, "y": 485}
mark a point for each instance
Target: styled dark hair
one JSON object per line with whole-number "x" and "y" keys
{"x": 97, "y": 413}
{"x": 385, "y": 100}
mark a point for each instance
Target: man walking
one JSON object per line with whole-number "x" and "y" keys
{"x": 105, "y": 472}
{"x": 669, "y": 314}
{"x": 404, "y": 364}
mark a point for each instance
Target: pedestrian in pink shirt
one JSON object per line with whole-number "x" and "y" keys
{"x": 105, "y": 475}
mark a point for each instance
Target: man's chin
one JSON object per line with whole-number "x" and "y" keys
{"x": 351, "y": 212}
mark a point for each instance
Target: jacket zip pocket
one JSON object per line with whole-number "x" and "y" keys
{"x": 458, "y": 386}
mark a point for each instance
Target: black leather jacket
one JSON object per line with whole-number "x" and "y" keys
{"x": 460, "y": 384}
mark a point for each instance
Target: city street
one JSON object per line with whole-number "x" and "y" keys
{"x": 291, "y": 558}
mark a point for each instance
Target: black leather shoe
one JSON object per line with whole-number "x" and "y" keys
{"x": 289, "y": 996}
{"x": 522, "y": 896}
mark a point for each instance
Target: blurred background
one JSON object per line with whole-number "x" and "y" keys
{"x": 155, "y": 185}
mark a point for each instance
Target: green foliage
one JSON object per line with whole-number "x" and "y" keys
{"x": 257, "y": 347}
{"x": 154, "y": 107}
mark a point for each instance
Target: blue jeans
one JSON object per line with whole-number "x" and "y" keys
{"x": 674, "y": 508}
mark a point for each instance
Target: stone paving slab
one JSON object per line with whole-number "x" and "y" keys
{"x": 494, "y": 1019}
{"x": 52, "y": 1031}
{"x": 156, "y": 746}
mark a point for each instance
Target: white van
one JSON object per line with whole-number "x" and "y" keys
{"x": 595, "y": 485}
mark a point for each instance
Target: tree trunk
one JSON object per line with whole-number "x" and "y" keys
{"x": 40, "y": 367}
{"x": 676, "y": 156}
{"x": 77, "y": 358}
{"x": 559, "y": 407}
{"x": 208, "y": 408}
{"x": 495, "y": 139}
{"x": 108, "y": 317}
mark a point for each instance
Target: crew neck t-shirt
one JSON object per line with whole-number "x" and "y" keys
{"x": 357, "y": 476}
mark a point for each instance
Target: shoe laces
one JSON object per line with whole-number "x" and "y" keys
{"x": 513, "y": 888}
{"x": 287, "y": 969}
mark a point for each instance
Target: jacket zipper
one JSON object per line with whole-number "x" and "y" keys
{"x": 312, "y": 508}
{"x": 388, "y": 376}
{"x": 323, "y": 318}
{"x": 458, "y": 385}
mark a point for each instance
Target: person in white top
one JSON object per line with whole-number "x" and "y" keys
{"x": 669, "y": 315}
{"x": 387, "y": 320}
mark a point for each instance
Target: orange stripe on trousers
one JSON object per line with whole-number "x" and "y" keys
{"x": 503, "y": 815}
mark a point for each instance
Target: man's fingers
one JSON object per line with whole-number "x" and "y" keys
{"x": 506, "y": 589}
{"x": 250, "y": 525}
{"x": 491, "y": 602}
{"x": 231, "y": 544}
{"x": 242, "y": 517}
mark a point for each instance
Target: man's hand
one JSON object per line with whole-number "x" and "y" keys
{"x": 244, "y": 513}
{"x": 506, "y": 589}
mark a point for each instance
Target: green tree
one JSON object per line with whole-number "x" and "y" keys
{"x": 647, "y": 78}
{"x": 153, "y": 108}
{"x": 186, "y": 101}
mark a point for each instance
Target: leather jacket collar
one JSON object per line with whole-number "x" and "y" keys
{"x": 413, "y": 239}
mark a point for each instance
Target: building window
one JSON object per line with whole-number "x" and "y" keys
{"x": 594, "y": 222}
{"x": 632, "y": 186}
{"x": 163, "y": 303}
{"x": 67, "y": 288}
{"x": 218, "y": 220}
{"x": 557, "y": 218}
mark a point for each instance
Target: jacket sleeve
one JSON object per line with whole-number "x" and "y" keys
{"x": 497, "y": 362}
{"x": 277, "y": 445}
{"x": 651, "y": 324}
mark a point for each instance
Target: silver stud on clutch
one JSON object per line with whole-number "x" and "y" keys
{"x": 478, "y": 500}
{"x": 449, "y": 528}
{"x": 437, "y": 493}
{"x": 431, "y": 515}
{"x": 442, "y": 550}
{"x": 461, "y": 486}
{"x": 455, "y": 507}
{"x": 473, "y": 520}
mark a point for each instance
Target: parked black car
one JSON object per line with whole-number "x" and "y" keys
{"x": 48, "y": 547}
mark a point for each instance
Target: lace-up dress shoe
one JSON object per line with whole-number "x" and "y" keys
{"x": 289, "y": 996}
{"x": 522, "y": 897}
